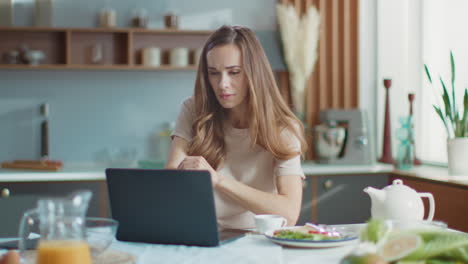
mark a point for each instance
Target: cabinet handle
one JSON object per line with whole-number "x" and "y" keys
{"x": 5, "y": 193}
{"x": 328, "y": 184}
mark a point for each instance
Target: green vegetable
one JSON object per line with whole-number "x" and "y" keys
{"x": 364, "y": 259}
{"x": 374, "y": 231}
{"x": 441, "y": 245}
{"x": 288, "y": 234}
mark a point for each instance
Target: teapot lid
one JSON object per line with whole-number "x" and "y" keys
{"x": 397, "y": 184}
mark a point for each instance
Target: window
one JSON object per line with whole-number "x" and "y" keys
{"x": 443, "y": 28}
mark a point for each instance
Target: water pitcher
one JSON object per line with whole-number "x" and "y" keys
{"x": 61, "y": 223}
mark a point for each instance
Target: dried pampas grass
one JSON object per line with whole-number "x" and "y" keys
{"x": 300, "y": 40}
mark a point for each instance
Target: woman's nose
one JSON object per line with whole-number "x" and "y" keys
{"x": 224, "y": 82}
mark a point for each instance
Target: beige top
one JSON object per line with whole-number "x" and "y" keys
{"x": 255, "y": 167}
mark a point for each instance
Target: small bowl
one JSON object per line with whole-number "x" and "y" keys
{"x": 100, "y": 233}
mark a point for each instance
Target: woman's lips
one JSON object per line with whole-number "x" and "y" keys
{"x": 226, "y": 96}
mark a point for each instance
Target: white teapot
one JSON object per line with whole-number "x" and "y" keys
{"x": 399, "y": 202}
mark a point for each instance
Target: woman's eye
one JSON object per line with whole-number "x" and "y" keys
{"x": 213, "y": 73}
{"x": 235, "y": 72}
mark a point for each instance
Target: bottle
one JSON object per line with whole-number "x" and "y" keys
{"x": 164, "y": 141}
{"x": 405, "y": 154}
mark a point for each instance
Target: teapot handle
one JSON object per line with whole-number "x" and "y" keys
{"x": 429, "y": 196}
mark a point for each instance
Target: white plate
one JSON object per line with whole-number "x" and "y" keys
{"x": 350, "y": 233}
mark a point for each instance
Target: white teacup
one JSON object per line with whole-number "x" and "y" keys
{"x": 265, "y": 222}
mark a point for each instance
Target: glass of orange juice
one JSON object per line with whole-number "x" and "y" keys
{"x": 66, "y": 251}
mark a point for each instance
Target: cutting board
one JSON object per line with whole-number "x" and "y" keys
{"x": 42, "y": 165}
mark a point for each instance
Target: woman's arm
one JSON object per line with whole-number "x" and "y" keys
{"x": 178, "y": 152}
{"x": 287, "y": 202}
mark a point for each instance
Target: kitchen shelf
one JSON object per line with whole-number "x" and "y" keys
{"x": 93, "y": 67}
{"x": 73, "y": 48}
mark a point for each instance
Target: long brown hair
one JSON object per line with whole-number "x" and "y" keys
{"x": 270, "y": 114}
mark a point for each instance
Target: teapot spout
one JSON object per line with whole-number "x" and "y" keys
{"x": 376, "y": 195}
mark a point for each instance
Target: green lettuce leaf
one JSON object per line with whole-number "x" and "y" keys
{"x": 441, "y": 244}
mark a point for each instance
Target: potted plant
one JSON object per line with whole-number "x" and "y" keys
{"x": 455, "y": 120}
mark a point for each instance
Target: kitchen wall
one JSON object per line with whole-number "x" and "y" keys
{"x": 97, "y": 115}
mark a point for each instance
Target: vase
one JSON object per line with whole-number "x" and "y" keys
{"x": 457, "y": 150}
{"x": 387, "y": 137}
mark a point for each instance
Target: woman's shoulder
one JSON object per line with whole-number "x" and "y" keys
{"x": 188, "y": 104}
{"x": 291, "y": 133}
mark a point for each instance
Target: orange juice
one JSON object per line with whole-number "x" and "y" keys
{"x": 61, "y": 252}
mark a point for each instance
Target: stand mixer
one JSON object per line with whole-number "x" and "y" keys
{"x": 343, "y": 137}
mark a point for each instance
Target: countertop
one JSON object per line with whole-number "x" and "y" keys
{"x": 79, "y": 172}
{"x": 73, "y": 172}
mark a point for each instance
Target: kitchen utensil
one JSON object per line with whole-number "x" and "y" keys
{"x": 100, "y": 232}
{"x": 329, "y": 140}
{"x": 11, "y": 57}
{"x": 43, "y": 165}
{"x": 45, "y": 131}
{"x": 349, "y": 235}
{"x": 33, "y": 57}
{"x": 357, "y": 146}
{"x": 399, "y": 202}
{"x": 265, "y": 222}
{"x": 62, "y": 227}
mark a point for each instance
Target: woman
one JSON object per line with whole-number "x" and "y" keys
{"x": 238, "y": 127}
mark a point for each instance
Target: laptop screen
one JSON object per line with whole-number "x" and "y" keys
{"x": 163, "y": 206}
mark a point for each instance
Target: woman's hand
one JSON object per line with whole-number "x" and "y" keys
{"x": 200, "y": 163}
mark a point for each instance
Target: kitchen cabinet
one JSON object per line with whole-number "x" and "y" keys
{"x": 117, "y": 48}
{"x": 451, "y": 204}
{"x": 339, "y": 199}
{"x": 17, "y": 197}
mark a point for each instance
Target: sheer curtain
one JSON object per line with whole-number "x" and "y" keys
{"x": 444, "y": 29}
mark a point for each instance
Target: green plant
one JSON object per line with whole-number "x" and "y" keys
{"x": 455, "y": 120}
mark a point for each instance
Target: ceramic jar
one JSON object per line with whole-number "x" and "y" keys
{"x": 151, "y": 57}
{"x": 179, "y": 57}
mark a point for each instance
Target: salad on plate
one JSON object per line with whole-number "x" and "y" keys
{"x": 314, "y": 236}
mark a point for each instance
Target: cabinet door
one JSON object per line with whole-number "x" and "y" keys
{"x": 306, "y": 210}
{"x": 17, "y": 197}
{"x": 341, "y": 200}
{"x": 451, "y": 204}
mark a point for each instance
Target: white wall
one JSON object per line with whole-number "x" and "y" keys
{"x": 389, "y": 48}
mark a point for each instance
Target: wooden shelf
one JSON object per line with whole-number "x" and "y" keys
{"x": 110, "y": 30}
{"x": 120, "y": 48}
{"x": 92, "y": 67}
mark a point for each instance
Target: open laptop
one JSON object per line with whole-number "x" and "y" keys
{"x": 165, "y": 207}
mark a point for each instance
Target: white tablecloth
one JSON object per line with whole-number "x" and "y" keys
{"x": 249, "y": 249}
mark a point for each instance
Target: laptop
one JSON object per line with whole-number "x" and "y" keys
{"x": 165, "y": 207}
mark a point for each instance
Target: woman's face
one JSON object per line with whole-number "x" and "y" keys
{"x": 227, "y": 76}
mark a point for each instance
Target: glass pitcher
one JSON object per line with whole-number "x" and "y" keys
{"x": 61, "y": 224}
